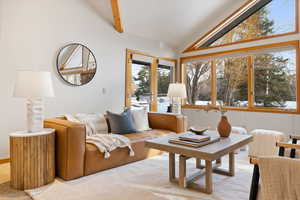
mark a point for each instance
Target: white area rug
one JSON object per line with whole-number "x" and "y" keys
{"x": 146, "y": 180}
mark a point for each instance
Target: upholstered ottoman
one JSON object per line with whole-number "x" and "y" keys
{"x": 264, "y": 142}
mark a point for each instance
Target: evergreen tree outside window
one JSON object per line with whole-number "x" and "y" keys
{"x": 141, "y": 81}
{"x": 275, "y": 80}
{"x": 164, "y": 78}
{"x": 277, "y": 17}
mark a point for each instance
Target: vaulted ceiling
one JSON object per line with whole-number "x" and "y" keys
{"x": 173, "y": 22}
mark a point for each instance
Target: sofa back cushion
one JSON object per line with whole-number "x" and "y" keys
{"x": 140, "y": 119}
{"x": 94, "y": 123}
{"x": 121, "y": 123}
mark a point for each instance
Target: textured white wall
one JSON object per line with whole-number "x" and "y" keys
{"x": 32, "y": 31}
{"x": 287, "y": 123}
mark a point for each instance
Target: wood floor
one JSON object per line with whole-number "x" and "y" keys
{"x": 4, "y": 173}
{"x": 6, "y": 192}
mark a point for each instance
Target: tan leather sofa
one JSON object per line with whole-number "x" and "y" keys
{"x": 75, "y": 158}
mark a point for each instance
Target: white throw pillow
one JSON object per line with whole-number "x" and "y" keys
{"x": 140, "y": 119}
{"x": 95, "y": 123}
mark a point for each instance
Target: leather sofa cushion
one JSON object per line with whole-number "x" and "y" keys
{"x": 145, "y": 135}
{"x": 136, "y": 137}
{"x": 95, "y": 161}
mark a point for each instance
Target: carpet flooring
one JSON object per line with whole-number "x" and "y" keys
{"x": 147, "y": 180}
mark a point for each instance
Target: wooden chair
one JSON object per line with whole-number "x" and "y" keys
{"x": 254, "y": 160}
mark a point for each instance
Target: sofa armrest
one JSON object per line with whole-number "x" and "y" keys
{"x": 169, "y": 121}
{"x": 69, "y": 147}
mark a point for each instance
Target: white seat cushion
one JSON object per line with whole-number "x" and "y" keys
{"x": 238, "y": 130}
{"x": 242, "y": 131}
{"x": 264, "y": 142}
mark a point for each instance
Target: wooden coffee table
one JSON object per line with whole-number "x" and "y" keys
{"x": 209, "y": 153}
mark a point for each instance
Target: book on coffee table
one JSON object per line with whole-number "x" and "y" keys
{"x": 195, "y": 138}
{"x": 194, "y": 144}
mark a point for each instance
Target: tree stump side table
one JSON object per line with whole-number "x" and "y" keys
{"x": 32, "y": 159}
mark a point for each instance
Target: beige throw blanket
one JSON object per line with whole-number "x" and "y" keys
{"x": 280, "y": 178}
{"x": 96, "y": 133}
{"x": 109, "y": 142}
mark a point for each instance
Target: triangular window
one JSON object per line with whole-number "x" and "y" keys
{"x": 257, "y": 19}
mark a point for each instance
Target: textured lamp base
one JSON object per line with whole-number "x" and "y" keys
{"x": 35, "y": 110}
{"x": 176, "y": 106}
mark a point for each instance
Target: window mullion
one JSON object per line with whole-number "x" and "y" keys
{"x": 183, "y": 78}
{"x": 153, "y": 83}
{"x": 128, "y": 79}
{"x": 213, "y": 83}
{"x": 250, "y": 82}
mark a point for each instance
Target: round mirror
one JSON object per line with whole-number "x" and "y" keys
{"x": 76, "y": 64}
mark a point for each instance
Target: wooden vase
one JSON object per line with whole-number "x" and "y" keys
{"x": 224, "y": 128}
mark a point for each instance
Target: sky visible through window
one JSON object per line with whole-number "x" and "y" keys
{"x": 277, "y": 17}
{"x": 284, "y": 22}
{"x": 282, "y": 12}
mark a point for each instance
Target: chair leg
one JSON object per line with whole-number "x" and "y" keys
{"x": 255, "y": 183}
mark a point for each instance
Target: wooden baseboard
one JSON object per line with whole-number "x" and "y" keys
{"x": 4, "y": 160}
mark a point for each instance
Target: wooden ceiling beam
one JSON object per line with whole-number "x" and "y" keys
{"x": 116, "y": 15}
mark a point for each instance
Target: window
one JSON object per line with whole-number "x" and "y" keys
{"x": 265, "y": 22}
{"x": 257, "y": 19}
{"x": 275, "y": 80}
{"x": 141, "y": 84}
{"x": 198, "y": 83}
{"x": 165, "y": 76}
{"x": 232, "y": 82}
{"x": 147, "y": 81}
{"x": 262, "y": 78}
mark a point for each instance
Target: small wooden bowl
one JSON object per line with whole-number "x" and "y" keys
{"x": 198, "y": 131}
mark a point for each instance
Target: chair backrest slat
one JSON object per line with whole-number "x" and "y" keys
{"x": 293, "y": 151}
{"x": 281, "y": 151}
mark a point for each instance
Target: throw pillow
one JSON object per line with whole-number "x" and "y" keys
{"x": 94, "y": 123}
{"x": 121, "y": 123}
{"x": 98, "y": 121}
{"x": 140, "y": 119}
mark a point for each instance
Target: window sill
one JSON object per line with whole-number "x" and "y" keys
{"x": 246, "y": 109}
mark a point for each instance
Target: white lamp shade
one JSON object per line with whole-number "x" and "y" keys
{"x": 33, "y": 84}
{"x": 177, "y": 90}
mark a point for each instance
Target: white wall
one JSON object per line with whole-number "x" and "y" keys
{"x": 287, "y": 123}
{"x": 32, "y": 31}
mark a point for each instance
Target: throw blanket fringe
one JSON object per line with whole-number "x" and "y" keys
{"x": 109, "y": 142}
